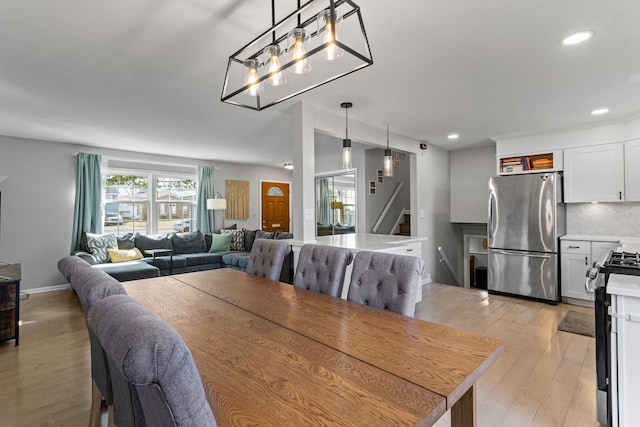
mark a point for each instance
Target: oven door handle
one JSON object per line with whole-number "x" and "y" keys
{"x": 633, "y": 318}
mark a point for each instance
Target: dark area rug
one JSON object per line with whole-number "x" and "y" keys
{"x": 578, "y": 323}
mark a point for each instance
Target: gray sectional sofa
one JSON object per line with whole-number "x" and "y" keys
{"x": 189, "y": 252}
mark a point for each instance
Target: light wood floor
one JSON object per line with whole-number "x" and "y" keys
{"x": 543, "y": 378}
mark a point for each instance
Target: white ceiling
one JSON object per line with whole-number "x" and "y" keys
{"x": 146, "y": 75}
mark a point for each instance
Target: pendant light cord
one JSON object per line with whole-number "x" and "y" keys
{"x": 387, "y": 137}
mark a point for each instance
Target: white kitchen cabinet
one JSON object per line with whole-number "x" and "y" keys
{"x": 594, "y": 174}
{"x": 575, "y": 257}
{"x": 632, "y": 171}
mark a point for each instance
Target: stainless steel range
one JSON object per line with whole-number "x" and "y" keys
{"x": 616, "y": 262}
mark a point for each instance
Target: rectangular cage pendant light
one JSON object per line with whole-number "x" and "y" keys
{"x": 319, "y": 42}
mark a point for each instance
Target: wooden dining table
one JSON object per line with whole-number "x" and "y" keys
{"x": 271, "y": 354}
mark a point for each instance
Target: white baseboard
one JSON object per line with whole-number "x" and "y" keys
{"x": 46, "y": 289}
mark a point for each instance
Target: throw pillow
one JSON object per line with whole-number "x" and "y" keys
{"x": 188, "y": 243}
{"x": 249, "y": 238}
{"x": 221, "y": 242}
{"x": 237, "y": 239}
{"x": 126, "y": 241}
{"x": 147, "y": 242}
{"x": 122, "y": 255}
{"x": 99, "y": 245}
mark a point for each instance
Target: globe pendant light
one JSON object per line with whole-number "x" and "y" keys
{"x": 388, "y": 159}
{"x": 346, "y": 142}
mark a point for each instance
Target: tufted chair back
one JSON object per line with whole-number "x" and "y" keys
{"x": 322, "y": 268}
{"x": 386, "y": 281}
{"x": 152, "y": 367}
{"x": 93, "y": 285}
{"x": 266, "y": 258}
{"x": 71, "y": 264}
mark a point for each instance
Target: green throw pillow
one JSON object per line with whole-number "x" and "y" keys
{"x": 220, "y": 242}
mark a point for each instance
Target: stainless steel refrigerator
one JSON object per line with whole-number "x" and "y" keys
{"x": 526, "y": 217}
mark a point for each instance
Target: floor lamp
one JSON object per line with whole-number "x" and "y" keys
{"x": 217, "y": 204}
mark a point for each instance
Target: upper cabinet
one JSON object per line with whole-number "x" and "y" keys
{"x": 530, "y": 163}
{"x": 632, "y": 170}
{"x": 595, "y": 173}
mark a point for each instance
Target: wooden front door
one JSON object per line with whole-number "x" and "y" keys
{"x": 275, "y": 206}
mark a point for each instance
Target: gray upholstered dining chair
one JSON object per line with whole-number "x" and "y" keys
{"x": 92, "y": 285}
{"x": 386, "y": 281}
{"x": 322, "y": 269}
{"x": 266, "y": 258}
{"x": 151, "y": 367}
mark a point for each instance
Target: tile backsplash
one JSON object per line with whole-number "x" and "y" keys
{"x": 604, "y": 219}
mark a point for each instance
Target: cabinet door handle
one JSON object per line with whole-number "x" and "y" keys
{"x": 409, "y": 250}
{"x": 574, "y": 247}
{"x": 586, "y": 261}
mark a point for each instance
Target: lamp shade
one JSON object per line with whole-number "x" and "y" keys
{"x": 216, "y": 204}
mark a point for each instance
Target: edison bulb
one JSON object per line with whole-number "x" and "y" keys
{"x": 272, "y": 61}
{"x": 297, "y": 50}
{"x": 251, "y": 79}
{"x": 330, "y": 30}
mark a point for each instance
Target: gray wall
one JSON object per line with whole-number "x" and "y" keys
{"x": 470, "y": 173}
{"x": 38, "y": 197}
{"x": 376, "y": 203}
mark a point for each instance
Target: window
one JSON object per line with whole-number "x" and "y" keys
{"x": 176, "y": 201}
{"x": 126, "y": 207}
{"x": 148, "y": 203}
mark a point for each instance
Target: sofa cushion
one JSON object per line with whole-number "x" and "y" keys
{"x": 157, "y": 242}
{"x": 99, "y": 245}
{"x": 167, "y": 262}
{"x": 237, "y": 239}
{"x": 220, "y": 242}
{"x": 130, "y": 270}
{"x": 126, "y": 241}
{"x": 188, "y": 243}
{"x": 201, "y": 259}
{"x": 264, "y": 234}
{"x": 122, "y": 255}
{"x": 282, "y": 235}
{"x": 249, "y": 238}
{"x": 235, "y": 259}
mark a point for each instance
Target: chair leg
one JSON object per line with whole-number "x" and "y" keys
{"x": 96, "y": 402}
{"x": 111, "y": 422}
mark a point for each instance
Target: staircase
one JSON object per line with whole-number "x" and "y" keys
{"x": 405, "y": 225}
{"x": 402, "y": 227}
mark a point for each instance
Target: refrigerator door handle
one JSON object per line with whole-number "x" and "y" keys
{"x": 524, "y": 254}
{"x": 490, "y": 215}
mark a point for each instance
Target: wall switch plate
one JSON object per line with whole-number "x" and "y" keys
{"x": 308, "y": 214}
{"x": 422, "y": 214}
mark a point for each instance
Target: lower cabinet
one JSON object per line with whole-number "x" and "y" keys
{"x": 575, "y": 257}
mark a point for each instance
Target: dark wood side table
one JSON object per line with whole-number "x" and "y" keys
{"x": 161, "y": 252}
{"x": 10, "y": 276}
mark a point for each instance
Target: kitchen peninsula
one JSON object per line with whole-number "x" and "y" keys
{"x": 400, "y": 245}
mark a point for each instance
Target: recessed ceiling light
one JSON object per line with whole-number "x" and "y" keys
{"x": 599, "y": 111}
{"x": 453, "y": 136}
{"x": 288, "y": 166}
{"x": 576, "y": 38}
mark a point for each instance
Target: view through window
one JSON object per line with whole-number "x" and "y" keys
{"x": 148, "y": 203}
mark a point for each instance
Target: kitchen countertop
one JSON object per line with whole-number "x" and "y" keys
{"x": 623, "y": 284}
{"x": 593, "y": 238}
{"x": 367, "y": 241}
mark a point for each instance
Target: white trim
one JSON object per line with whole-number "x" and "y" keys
{"x": 46, "y": 289}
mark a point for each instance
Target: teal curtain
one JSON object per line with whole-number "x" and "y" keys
{"x": 205, "y": 218}
{"x": 324, "y": 201}
{"x": 87, "y": 213}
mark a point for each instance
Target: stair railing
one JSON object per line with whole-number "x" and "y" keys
{"x": 385, "y": 211}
